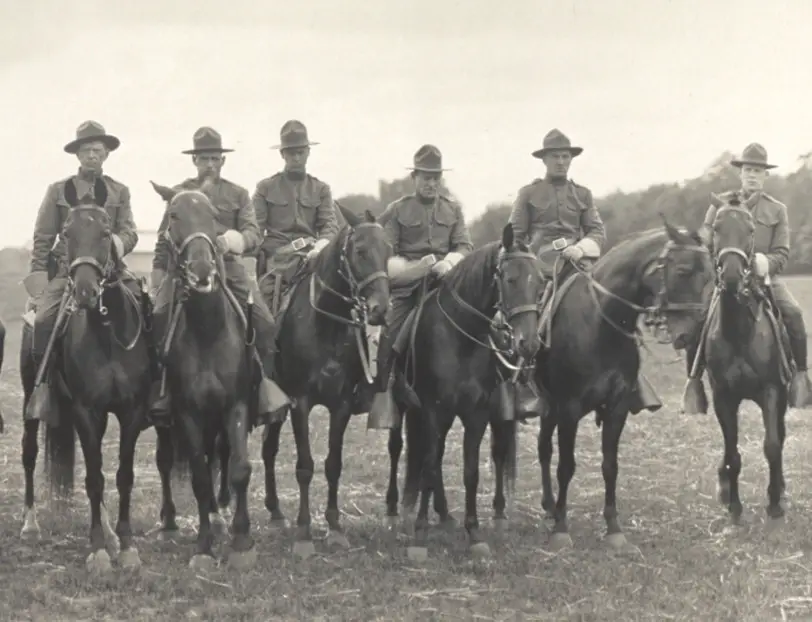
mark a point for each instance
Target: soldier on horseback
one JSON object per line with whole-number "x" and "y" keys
{"x": 771, "y": 252}
{"x": 238, "y": 234}
{"x": 295, "y": 213}
{"x": 429, "y": 236}
{"x": 558, "y": 217}
{"x": 48, "y": 278}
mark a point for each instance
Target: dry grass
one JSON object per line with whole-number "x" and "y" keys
{"x": 686, "y": 561}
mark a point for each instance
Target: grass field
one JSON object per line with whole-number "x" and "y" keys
{"x": 686, "y": 561}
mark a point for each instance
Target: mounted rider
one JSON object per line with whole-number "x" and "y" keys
{"x": 238, "y": 233}
{"x": 771, "y": 248}
{"x": 428, "y": 235}
{"x": 48, "y": 277}
{"x": 295, "y": 213}
{"x": 558, "y": 218}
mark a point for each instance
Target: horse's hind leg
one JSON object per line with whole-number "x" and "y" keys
{"x": 30, "y": 530}
{"x": 164, "y": 457}
{"x": 567, "y": 432}
{"x": 395, "y": 446}
{"x": 773, "y": 409}
{"x": 130, "y": 429}
{"x": 471, "y": 442}
{"x": 270, "y": 448}
{"x": 545, "y": 453}
{"x": 300, "y": 419}
{"x": 242, "y": 554}
{"x": 614, "y": 420}
{"x": 727, "y": 414}
{"x": 339, "y": 418}
{"x": 427, "y": 455}
{"x": 440, "y": 499}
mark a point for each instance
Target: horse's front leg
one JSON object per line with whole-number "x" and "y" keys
{"x": 440, "y": 499}
{"x": 243, "y": 555}
{"x": 567, "y": 431}
{"x": 164, "y": 458}
{"x": 30, "y": 530}
{"x": 224, "y": 455}
{"x": 339, "y": 418}
{"x": 503, "y": 454}
{"x": 726, "y": 408}
{"x": 471, "y": 442}
{"x": 427, "y": 455}
{"x": 614, "y": 420}
{"x": 129, "y": 431}
{"x": 773, "y": 409}
{"x": 395, "y": 446}
{"x": 545, "y": 453}
{"x": 270, "y": 448}
{"x": 300, "y": 419}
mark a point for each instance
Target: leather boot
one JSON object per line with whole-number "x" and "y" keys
{"x": 272, "y": 402}
{"x": 383, "y": 411}
{"x": 800, "y": 388}
{"x": 365, "y": 392}
{"x": 694, "y": 397}
{"x": 41, "y": 405}
{"x": 644, "y": 397}
{"x": 160, "y": 408}
{"x": 530, "y": 402}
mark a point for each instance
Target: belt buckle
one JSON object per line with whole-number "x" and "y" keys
{"x": 560, "y": 244}
{"x": 298, "y": 244}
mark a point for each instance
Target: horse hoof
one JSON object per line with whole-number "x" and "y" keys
{"x": 560, "y": 541}
{"x": 775, "y": 512}
{"x": 417, "y": 554}
{"x": 337, "y": 539}
{"x": 129, "y": 559}
{"x": 615, "y": 541}
{"x": 278, "y": 524}
{"x": 203, "y": 563}
{"x": 98, "y": 563}
{"x": 30, "y": 532}
{"x": 501, "y": 525}
{"x": 304, "y": 549}
{"x": 218, "y": 524}
{"x": 243, "y": 560}
{"x": 168, "y": 535}
{"x": 448, "y": 522}
{"x": 480, "y": 550}
{"x": 392, "y": 522}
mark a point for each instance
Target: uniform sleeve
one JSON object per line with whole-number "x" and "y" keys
{"x": 591, "y": 222}
{"x": 326, "y": 221}
{"x": 260, "y": 209}
{"x": 779, "y": 249}
{"x": 160, "y": 257}
{"x": 460, "y": 237}
{"x": 392, "y": 229}
{"x": 46, "y": 230}
{"x": 520, "y": 218}
{"x": 706, "y": 230}
{"x": 125, "y": 224}
{"x": 247, "y": 222}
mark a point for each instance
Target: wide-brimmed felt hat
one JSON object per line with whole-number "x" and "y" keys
{"x": 207, "y": 140}
{"x": 428, "y": 159}
{"x": 293, "y": 135}
{"x": 92, "y": 131}
{"x": 556, "y": 140}
{"x": 754, "y": 154}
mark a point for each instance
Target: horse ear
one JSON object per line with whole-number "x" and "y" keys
{"x": 369, "y": 216}
{"x": 350, "y": 216}
{"x": 508, "y": 237}
{"x": 166, "y": 193}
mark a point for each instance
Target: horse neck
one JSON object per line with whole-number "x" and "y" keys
{"x": 736, "y": 323}
{"x": 118, "y": 318}
{"x": 206, "y": 316}
{"x": 482, "y": 301}
{"x": 328, "y": 272}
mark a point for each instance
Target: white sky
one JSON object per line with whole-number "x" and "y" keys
{"x": 653, "y": 90}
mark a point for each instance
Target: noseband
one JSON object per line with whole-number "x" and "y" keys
{"x": 746, "y": 255}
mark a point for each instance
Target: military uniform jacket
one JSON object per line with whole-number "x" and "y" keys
{"x": 234, "y": 211}
{"x": 289, "y": 209}
{"x": 772, "y": 229}
{"x": 415, "y": 229}
{"x": 545, "y": 211}
{"x": 54, "y": 211}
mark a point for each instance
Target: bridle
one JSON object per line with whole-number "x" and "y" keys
{"x": 108, "y": 279}
{"x": 746, "y": 255}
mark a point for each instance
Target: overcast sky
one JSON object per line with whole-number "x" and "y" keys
{"x": 653, "y": 90}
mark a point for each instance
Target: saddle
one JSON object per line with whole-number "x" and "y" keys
{"x": 280, "y": 273}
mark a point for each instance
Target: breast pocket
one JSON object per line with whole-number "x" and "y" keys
{"x": 412, "y": 230}
{"x": 280, "y": 214}
{"x": 308, "y": 210}
{"x": 442, "y": 227}
{"x": 765, "y": 228}
{"x": 542, "y": 211}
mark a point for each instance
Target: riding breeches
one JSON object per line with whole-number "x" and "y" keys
{"x": 793, "y": 319}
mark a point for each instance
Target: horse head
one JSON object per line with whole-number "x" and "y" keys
{"x": 91, "y": 254}
{"x": 365, "y": 252}
{"x": 191, "y": 231}
{"x": 733, "y": 243}
{"x": 520, "y": 286}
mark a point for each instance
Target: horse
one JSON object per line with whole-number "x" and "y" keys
{"x": 100, "y": 364}
{"x": 592, "y": 360}
{"x": 746, "y": 354}
{"x": 322, "y": 356}
{"x": 454, "y": 369}
{"x": 209, "y": 371}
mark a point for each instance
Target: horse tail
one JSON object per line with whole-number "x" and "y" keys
{"x": 504, "y": 444}
{"x": 60, "y": 452}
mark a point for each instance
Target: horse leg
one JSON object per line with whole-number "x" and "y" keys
{"x": 395, "y": 446}
{"x": 339, "y": 418}
{"x": 614, "y": 420}
{"x": 772, "y": 415}
{"x": 270, "y": 447}
{"x": 440, "y": 500}
{"x": 503, "y": 454}
{"x": 30, "y": 530}
{"x": 243, "y": 555}
{"x": 727, "y": 414}
{"x": 129, "y": 431}
{"x": 218, "y": 523}
{"x": 224, "y": 497}
{"x": 300, "y": 419}
{"x": 545, "y": 453}
{"x": 202, "y": 488}
{"x": 411, "y": 485}
{"x": 567, "y": 431}
{"x": 428, "y": 476}
{"x": 471, "y": 442}
{"x": 164, "y": 457}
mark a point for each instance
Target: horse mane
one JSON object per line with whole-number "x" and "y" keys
{"x": 630, "y": 245}
{"x": 328, "y": 258}
{"x": 473, "y": 274}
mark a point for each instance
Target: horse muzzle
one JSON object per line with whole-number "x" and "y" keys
{"x": 200, "y": 278}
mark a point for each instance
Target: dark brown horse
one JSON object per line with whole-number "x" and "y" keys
{"x": 322, "y": 357}
{"x": 453, "y": 368}
{"x": 209, "y": 375}
{"x": 100, "y": 365}
{"x": 745, "y": 354}
{"x": 592, "y": 360}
